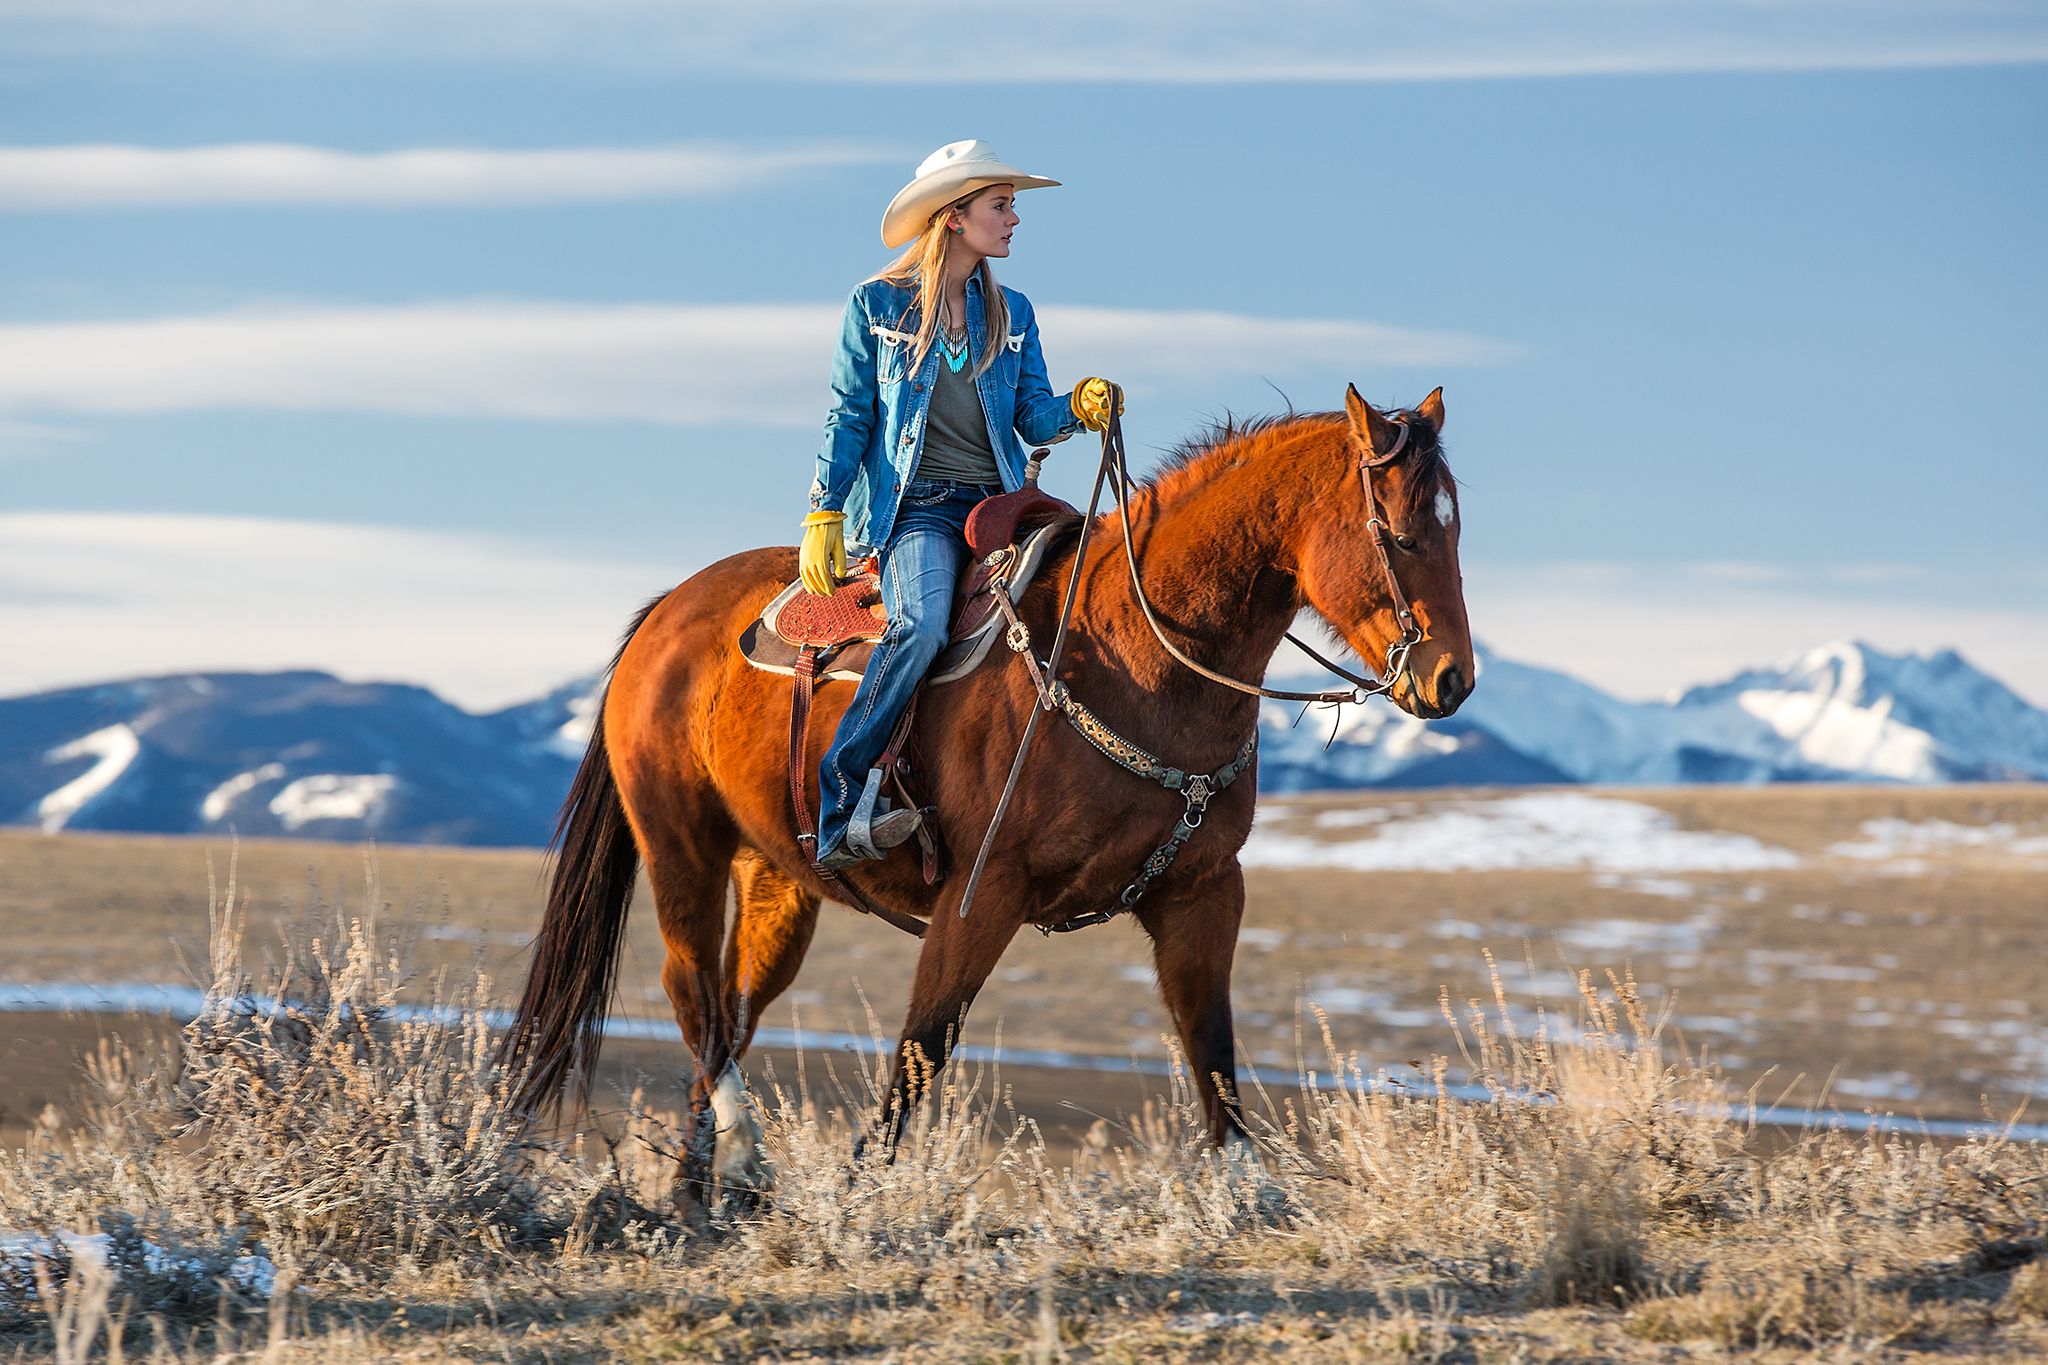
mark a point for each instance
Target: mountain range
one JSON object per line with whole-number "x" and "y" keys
{"x": 307, "y": 754}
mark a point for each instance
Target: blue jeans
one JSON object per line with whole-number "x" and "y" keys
{"x": 927, "y": 549}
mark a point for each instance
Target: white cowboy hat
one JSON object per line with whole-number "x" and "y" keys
{"x": 955, "y": 170}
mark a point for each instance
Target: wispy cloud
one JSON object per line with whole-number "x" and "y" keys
{"x": 1126, "y": 40}
{"x": 33, "y": 438}
{"x": 106, "y": 175}
{"x": 750, "y": 365}
{"x": 486, "y": 619}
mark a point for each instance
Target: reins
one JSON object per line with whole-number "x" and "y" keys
{"x": 1196, "y": 788}
{"x": 1361, "y": 688}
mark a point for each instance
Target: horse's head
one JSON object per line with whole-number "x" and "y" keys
{"x": 1406, "y": 495}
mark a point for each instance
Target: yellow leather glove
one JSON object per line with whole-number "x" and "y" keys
{"x": 821, "y": 563}
{"x": 1090, "y": 402}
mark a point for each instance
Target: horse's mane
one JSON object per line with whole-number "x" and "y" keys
{"x": 1200, "y": 457}
{"x": 1221, "y": 432}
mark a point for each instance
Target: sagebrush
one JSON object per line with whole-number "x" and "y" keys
{"x": 337, "y": 1119}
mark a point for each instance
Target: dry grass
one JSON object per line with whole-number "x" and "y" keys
{"x": 1917, "y": 993}
{"x": 1602, "y": 1204}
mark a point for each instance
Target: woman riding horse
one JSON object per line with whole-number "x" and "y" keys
{"x": 1138, "y": 800}
{"x": 937, "y": 377}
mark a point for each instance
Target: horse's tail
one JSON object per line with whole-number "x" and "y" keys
{"x": 559, "y": 1027}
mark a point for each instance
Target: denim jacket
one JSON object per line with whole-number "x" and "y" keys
{"x": 875, "y": 431}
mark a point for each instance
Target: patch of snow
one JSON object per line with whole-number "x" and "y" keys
{"x": 1638, "y": 936}
{"x": 251, "y": 1273}
{"x": 114, "y": 748}
{"x": 1668, "y": 887}
{"x": 1835, "y": 971}
{"x": 1719, "y": 1024}
{"x": 1348, "y": 999}
{"x": 332, "y": 796}
{"x": 1893, "y": 1085}
{"x": 1545, "y": 983}
{"x": 1896, "y": 838}
{"x": 1265, "y": 939}
{"x": 1452, "y": 927}
{"x": 1211, "y": 1321}
{"x": 1540, "y": 830}
{"x": 1343, "y": 819}
{"x": 222, "y": 799}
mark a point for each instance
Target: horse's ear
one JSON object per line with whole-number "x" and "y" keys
{"x": 1431, "y": 409}
{"x": 1375, "y": 432}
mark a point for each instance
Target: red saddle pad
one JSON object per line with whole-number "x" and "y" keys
{"x": 852, "y": 612}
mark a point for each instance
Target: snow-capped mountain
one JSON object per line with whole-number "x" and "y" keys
{"x": 307, "y": 754}
{"x": 299, "y": 753}
{"x": 1848, "y": 708}
{"x": 1844, "y": 711}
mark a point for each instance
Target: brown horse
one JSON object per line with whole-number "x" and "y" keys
{"x": 688, "y": 768}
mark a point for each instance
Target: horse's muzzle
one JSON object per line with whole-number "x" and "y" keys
{"x": 1449, "y": 684}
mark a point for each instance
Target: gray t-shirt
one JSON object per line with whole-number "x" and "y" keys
{"x": 956, "y": 432}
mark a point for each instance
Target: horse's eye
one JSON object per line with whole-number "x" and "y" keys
{"x": 1405, "y": 542}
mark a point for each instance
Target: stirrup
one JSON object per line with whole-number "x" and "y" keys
{"x": 874, "y": 829}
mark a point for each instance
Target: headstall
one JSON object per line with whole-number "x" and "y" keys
{"x": 1196, "y": 789}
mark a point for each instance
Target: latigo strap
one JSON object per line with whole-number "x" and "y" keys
{"x": 806, "y": 829}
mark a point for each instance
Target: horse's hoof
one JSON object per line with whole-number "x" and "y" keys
{"x": 874, "y": 1144}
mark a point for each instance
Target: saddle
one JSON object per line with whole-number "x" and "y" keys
{"x": 809, "y": 638}
{"x": 1010, "y": 533}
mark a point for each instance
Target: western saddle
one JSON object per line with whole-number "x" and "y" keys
{"x": 808, "y": 638}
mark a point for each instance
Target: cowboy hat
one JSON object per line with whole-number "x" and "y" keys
{"x": 952, "y": 172}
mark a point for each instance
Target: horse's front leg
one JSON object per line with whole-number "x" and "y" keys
{"x": 1194, "y": 938}
{"x": 957, "y": 957}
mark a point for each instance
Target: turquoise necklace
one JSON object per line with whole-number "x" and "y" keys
{"x": 955, "y": 354}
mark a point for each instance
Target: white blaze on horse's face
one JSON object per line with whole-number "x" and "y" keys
{"x": 1446, "y": 510}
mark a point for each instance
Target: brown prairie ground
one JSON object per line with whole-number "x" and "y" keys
{"x": 1892, "y": 938}
{"x": 1911, "y": 968}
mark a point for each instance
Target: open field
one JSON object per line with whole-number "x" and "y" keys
{"x": 1893, "y": 938}
{"x": 1910, "y": 964}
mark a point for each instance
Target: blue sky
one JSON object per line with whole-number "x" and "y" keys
{"x": 425, "y": 339}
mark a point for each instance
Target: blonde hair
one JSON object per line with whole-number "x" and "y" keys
{"x": 922, "y": 269}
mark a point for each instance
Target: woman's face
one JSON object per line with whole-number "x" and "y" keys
{"x": 987, "y": 221}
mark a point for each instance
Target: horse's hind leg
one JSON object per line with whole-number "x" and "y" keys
{"x": 771, "y": 932}
{"x": 689, "y": 853}
{"x": 772, "y": 926}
